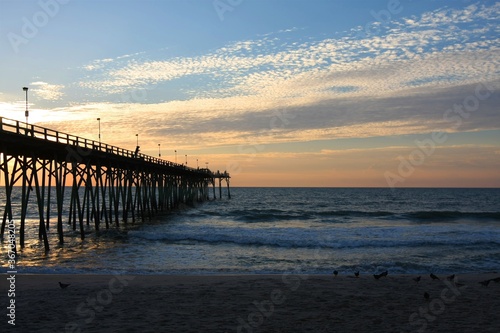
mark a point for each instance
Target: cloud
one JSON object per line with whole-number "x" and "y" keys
{"x": 443, "y": 47}
{"x": 284, "y": 87}
{"x": 44, "y": 90}
{"x": 247, "y": 121}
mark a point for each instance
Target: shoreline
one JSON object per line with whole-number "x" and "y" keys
{"x": 254, "y": 303}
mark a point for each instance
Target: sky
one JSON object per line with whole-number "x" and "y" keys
{"x": 354, "y": 93}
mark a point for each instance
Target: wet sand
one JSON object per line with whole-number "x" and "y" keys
{"x": 252, "y": 303}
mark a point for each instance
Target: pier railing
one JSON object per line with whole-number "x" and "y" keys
{"x": 42, "y": 133}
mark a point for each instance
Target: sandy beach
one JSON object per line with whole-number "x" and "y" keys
{"x": 252, "y": 303}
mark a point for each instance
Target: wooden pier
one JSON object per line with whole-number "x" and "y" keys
{"x": 107, "y": 185}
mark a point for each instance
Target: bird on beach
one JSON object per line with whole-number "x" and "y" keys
{"x": 335, "y": 273}
{"x": 417, "y": 279}
{"x": 378, "y": 276}
{"x": 451, "y": 277}
{"x": 427, "y": 296}
{"x": 356, "y": 274}
{"x": 485, "y": 283}
{"x": 434, "y": 277}
{"x": 64, "y": 285}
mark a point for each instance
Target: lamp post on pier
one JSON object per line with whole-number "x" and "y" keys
{"x": 159, "y": 152}
{"x": 26, "y": 113}
{"x": 175, "y": 151}
{"x": 186, "y": 160}
{"x": 137, "y": 146}
{"x": 99, "y": 121}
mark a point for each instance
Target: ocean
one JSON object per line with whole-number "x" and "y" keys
{"x": 276, "y": 230}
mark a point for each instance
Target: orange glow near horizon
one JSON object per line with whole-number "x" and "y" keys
{"x": 323, "y": 95}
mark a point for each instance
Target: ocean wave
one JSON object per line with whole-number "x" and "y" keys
{"x": 356, "y": 213}
{"x": 269, "y": 215}
{"x": 272, "y": 215}
{"x": 451, "y": 215}
{"x": 303, "y": 240}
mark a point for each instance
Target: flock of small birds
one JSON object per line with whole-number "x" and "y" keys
{"x": 356, "y": 274}
{"x": 487, "y": 282}
{"x": 64, "y": 285}
{"x": 434, "y": 277}
{"x": 378, "y": 276}
{"x": 381, "y": 275}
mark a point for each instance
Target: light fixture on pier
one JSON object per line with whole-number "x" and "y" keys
{"x": 26, "y": 113}
{"x": 99, "y": 120}
{"x": 159, "y": 152}
{"x": 137, "y": 147}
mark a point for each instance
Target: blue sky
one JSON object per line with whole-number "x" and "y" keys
{"x": 267, "y": 88}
